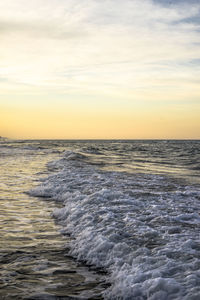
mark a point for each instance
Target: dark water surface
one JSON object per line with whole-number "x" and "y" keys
{"x": 34, "y": 260}
{"x": 120, "y": 197}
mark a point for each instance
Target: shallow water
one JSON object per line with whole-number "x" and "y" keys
{"x": 130, "y": 208}
{"x": 34, "y": 258}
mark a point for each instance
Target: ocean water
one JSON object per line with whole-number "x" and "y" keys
{"x": 127, "y": 219}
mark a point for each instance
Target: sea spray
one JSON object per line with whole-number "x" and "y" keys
{"x": 142, "y": 229}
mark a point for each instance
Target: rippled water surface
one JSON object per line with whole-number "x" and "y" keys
{"x": 34, "y": 260}
{"x": 129, "y": 208}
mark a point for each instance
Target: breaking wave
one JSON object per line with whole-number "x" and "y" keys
{"x": 143, "y": 229}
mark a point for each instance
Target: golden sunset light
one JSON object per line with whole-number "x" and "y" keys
{"x": 100, "y": 149}
{"x": 100, "y": 69}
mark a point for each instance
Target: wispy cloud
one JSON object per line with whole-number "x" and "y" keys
{"x": 132, "y": 66}
{"x": 89, "y": 44}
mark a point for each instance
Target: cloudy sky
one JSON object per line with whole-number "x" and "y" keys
{"x": 100, "y": 68}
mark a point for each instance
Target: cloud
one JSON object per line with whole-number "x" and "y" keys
{"x": 40, "y": 30}
{"x": 89, "y": 45}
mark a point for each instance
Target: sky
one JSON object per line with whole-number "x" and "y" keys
{"x": 100, "y": 69}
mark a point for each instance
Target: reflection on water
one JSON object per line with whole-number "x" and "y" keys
{"x": 178, "y": 159}
{"x": 33, "y": 255}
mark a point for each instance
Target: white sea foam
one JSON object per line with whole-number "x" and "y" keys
{"x": 143, "y": 229}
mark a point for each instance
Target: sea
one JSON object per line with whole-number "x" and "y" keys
{"x": 100, "y": 219}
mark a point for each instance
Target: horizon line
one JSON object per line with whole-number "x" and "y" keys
{"x": 102, "y": 139}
